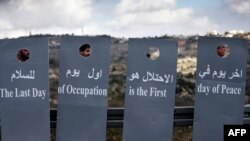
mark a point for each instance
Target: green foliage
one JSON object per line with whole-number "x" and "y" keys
{"x": 117, "y": 80}
{"x": 114, "y": 134}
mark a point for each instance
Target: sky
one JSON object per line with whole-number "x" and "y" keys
{"x": 122, "y": 18}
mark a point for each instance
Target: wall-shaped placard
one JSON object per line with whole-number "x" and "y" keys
{"x": 220, "y": 86}
{"x": 24, "y": 93}
{"x": 150, "y": 90}
{"x": 82, "y": 99}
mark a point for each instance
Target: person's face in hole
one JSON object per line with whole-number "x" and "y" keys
{"x": 221, "y": 51}
{"x": 86, "y": 52}
{"x": 23, "y": 55}
{"x": 25, "y": 52}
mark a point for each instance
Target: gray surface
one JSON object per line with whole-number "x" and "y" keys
{"x": 83, "y": 118}
{"x": 24, "y": 118}
{"x": 149, "y": 118}
{"x": 215, "y": 108}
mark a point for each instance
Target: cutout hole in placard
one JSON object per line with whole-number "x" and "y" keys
{"x": 222, "y": 50}
{"x": 85, "y": 50}
{"x": 153, "y": 53}
{"x": 23, "y": 55}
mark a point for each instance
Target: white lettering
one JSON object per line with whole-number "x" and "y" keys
{"x": 230, "y": 90}
{"x": 243, "y": 131}
{"x": 39, "y": 93}
{"x": 231, "y": 133}
{"x": 237, "y": 131}
{"x": 86, "y": 91}
{"x": 157, "y": 93}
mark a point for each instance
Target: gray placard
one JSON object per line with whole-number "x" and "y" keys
{"x": 24, "y": 93}
{"x": 220, "y": 87}
{"x": 82, "y": 99}
{"x": 150, "y": 91}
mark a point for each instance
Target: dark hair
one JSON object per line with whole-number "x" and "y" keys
{"x": 83, "y": 47}
{"x": 221, "y": 46}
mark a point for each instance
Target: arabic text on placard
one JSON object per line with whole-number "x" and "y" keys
{"x": 220, "y": 74}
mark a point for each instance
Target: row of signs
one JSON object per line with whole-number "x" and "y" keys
{"x": 150, "y": 89}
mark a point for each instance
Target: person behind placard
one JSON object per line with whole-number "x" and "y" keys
{"x": 23, "y": 55}
{"x": 153, "y": 53}
{"x": 222, "y": 50}
{"x": 85, "y": 50}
